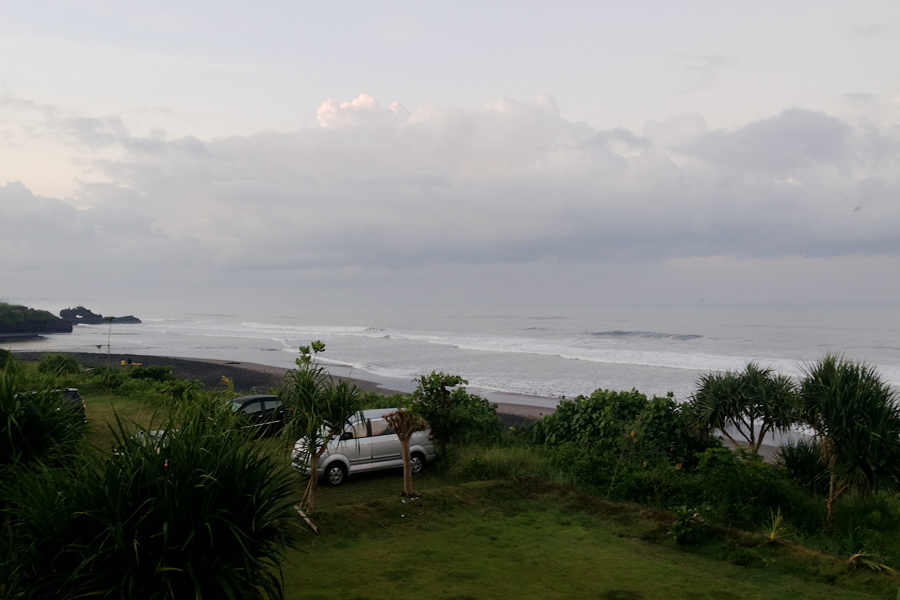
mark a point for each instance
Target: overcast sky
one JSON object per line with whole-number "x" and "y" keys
{"x": 483, "y": 153}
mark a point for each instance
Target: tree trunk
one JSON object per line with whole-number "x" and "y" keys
{"x": 309, "y": 497}
{"x": 407, "y": 467}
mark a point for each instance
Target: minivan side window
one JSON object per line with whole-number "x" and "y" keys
{"x": 381, "y": 427}
{"x": 358, "y": 430}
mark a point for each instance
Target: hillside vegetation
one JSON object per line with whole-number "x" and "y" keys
{"x": 16, "y": 319}
{"x": 618, "y": 496}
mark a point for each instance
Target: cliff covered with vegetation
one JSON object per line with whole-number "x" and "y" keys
{"x": 21, "y": 320}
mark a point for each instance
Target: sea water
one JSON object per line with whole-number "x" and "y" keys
{"x": 541, "y": 355}
{"x": 551, "y": 354}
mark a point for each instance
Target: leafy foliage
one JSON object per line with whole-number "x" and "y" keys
{"x": 58, "y": 364}
{"x": 455, "y": 416}
{"x": 152, "y": 372}
{"x": 196, "y": 511}
{"x": 624, "y": 422}
{"x": 689, "y": 524}
{"x": 599, "y": 419}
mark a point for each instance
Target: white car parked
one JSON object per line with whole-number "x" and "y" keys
{"x": 367, "y": 444}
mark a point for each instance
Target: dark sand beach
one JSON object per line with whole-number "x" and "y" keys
{"x": 257, "y": 378}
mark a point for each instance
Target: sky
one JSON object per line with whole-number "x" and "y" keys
{"x": 483, "y": 154}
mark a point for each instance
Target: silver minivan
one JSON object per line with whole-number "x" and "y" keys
{"x": 367, "y": 444}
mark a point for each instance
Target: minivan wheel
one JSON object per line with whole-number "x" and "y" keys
{"x": 416, "y": 463}
{"x": 335, "y": 473}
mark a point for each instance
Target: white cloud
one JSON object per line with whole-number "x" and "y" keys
{"x": 509, "y": 183}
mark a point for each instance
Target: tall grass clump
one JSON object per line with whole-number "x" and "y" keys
{"x": 502, "y": 461}
{"x": 196, "y": 510}
{"x": 34, "y": 424}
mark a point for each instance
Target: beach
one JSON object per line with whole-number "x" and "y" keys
{"x": 254, "y": 378}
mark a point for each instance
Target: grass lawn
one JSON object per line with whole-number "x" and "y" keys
{"x": 506, "y": 540}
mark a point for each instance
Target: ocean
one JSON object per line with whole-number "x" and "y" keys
{"x": 528, "y": 358}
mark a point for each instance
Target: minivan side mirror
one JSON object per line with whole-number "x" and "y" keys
{"x": 347, "y": 435}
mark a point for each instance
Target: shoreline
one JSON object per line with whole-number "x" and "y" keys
{"x": 258, "y": 378}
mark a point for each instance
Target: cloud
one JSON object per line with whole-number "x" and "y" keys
{"x": 510, "y": 182}
{"x": 700, "y": 72}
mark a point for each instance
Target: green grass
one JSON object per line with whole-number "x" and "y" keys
{"x": 502, "y": 540}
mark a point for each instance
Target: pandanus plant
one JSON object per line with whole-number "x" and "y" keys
{"x": 857, "y": 422}
{"x": 320, "y": 409}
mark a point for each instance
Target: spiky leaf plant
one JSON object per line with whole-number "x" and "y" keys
{"x": 194, "y": 511}
{"x": 35, "y": 424}
{"x": 752, "y": 402}
{"x": 320, "y": 409}
{"x": 857, "y": 422}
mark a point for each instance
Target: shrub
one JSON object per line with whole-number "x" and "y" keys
{"x": 661, "y": 432}
{"x": 625, "y": 423}
{"x": 455, "y": 416}
{"x": 105, "y": 379}
{"x": 375, "y": 400}
{"x": 5, "y": 357}
{"x": 152, "y": 372}
{"x": 58, "y": 364}
{"x": 199, "y": 511}
{"x": 689, "y": 524}
{"x": 805, "y": 464}
{"x": 600, "y": 419}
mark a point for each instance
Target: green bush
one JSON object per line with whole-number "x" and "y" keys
{"x": 199, "y": 511}
{"x": 455, "y": 416}
{"x": 5, "y": 357}
{"x": 375, "y": 400}
{"x": 661, "y": 432}
{"x": 105, "y": 379}
{"x": 153, "y": 372}
{"x": 598, "y": 419}
{"x": 58, "y": 364}
{"x": 625, "y": 423}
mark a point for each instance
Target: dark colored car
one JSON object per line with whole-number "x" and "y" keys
{"x": 72, "y": 399}
{"x": 264, "y": 412}
{"x": 67, "y": 398}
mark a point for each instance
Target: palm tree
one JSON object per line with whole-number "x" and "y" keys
{"x": 321, "y": 410}
{"x": 857, "y": 421}
{"x": 753, "y": 402}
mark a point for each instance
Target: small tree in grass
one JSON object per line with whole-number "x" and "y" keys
{"x": 405, "y": 423}
{"x": 321, "y": 410}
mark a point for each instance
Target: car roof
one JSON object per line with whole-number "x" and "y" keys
{"x": 245, "y": 399}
